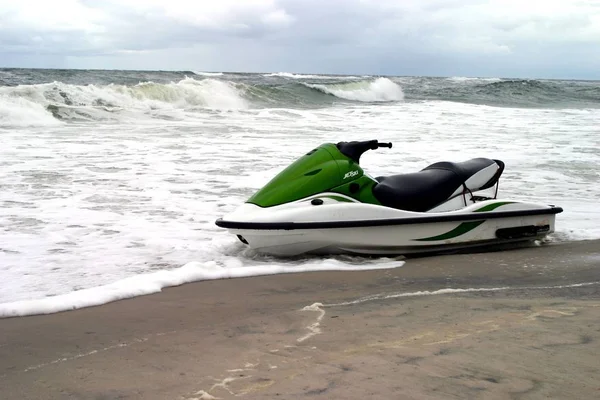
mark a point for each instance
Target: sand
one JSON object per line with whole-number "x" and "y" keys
{"x": 532, "y": 332}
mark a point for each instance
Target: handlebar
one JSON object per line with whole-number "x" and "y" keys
{"x": 354, "y": 150}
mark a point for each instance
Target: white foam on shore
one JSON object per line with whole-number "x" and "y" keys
{"x": 203, "y": 396}
{"x": 154, "y": 282}
{"x": 382, "y": 296}
{"x": 315, "y": 327}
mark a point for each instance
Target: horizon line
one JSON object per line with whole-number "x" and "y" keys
{"x": 297, "y": 73}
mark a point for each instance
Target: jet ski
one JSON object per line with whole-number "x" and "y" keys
{"x": 324, "y": 203}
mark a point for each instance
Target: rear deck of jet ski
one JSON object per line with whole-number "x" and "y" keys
{"x": 421, "y": 191}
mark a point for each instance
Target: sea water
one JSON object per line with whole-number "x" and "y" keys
{"x": 110, "y": 181}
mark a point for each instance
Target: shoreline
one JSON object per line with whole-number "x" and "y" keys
{"x": 152, "y": 283}
{"x": 331, "y": 334}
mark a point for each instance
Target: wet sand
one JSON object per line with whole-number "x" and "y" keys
{"x": 532, "y": 332}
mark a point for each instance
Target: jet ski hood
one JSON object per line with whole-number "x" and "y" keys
{"x": 319, "y": 170}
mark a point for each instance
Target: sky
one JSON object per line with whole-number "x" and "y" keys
{"x": 497, "y": 38}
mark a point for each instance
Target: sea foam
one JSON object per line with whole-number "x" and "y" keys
{"x": 378, "y": 90}
{"x": 154, "y": 282}
{"x": 105, "y": 191}
{"x": 291, "y": 75}
{"x": 48, "y": 103}
{"x": 19, "y": 111}
{"x": 201, "y": 73}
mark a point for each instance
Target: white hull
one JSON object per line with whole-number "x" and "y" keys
{"x": 340, "y": 225}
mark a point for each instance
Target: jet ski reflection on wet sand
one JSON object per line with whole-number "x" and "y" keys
{"x": 324, "y": 203}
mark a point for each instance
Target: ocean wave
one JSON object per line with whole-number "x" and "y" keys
{"x": 378, "y": 90}
{"x": 42, "y": 104}
{"x": 51, "y": 103}
{"x": 520, "y": 91}
{"x": 506, "y": 92}
{"x": 17, "y": 111}
{"x": 471, "y": 79}
{"x": 201, "y": 73}
{"x": 521, "y": 84}
{"x": 308, "y": 76}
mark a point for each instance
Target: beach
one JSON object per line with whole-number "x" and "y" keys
{"x": 516, "y": 324}
{"x": 115, "y": 280}
{"x": 158, "y": 159}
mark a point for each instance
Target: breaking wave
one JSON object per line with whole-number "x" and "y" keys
{"x": 49, "y": 103}
{"x": 201, "y": 73}
{"x": 90, "y": 95}
{"x": 380, "y": 89}
{"x": 302, "y": 76}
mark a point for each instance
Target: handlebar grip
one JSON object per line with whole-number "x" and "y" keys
{"x": 354, "y": 150}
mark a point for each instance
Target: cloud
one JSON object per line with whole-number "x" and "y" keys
{"x": 442, "y": 37}
{"x": 125, "y": 25}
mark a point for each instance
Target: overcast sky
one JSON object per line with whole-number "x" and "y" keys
{"x": 500, "y": 38}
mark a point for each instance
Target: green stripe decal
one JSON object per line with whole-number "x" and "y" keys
{"x": 459, "y": 230}
{"x": 493, "y": 206}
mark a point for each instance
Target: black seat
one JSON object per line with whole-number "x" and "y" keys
{"x": 423, "y": 190}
